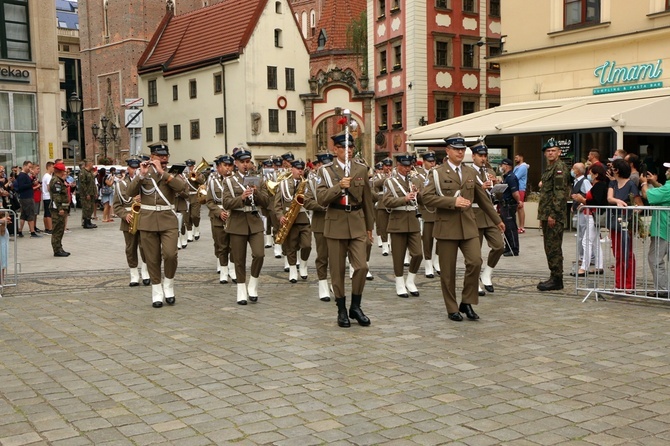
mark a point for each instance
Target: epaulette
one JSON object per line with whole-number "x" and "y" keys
{"x": 360, "y": 161}
{"x": 328, "y": 164}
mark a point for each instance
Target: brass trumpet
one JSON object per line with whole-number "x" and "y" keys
{"x": 201, "y": 167}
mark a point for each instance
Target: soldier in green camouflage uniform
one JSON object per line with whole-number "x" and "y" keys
{"x": 87, "y": 193}
{"x": 552, "y": 213}
{"x": 60, "y": 208}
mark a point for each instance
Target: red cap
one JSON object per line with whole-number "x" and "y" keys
{"x": 60, "y": 166}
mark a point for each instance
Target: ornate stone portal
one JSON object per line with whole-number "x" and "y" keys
{"x": 345, "y": 79}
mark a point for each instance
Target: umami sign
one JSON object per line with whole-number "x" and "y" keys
{"x": 615, "y": 79}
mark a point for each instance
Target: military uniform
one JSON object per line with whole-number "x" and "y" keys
{"x": 431, "y": 263}
{"x": 122, "y": 208}
{"x": 404, "y": 227}
{"x": 299, "y": 237}
{"x": 87, "y": 196}
{"x": 158, "y": 225}
{"x": 553, "y": 202}
{"x": 381, "y": 214}
{"x": 218, "y": 216}
{"x": 245, "y": 226}
{"x": 182, "y": 205}
{"x": 349, "y": 219}
{"x": 60, "y": 208}
{"x": 192, "y": 217}
{"x": 456, "y": 228}
{"x": 317, "y": 224}
{"x": 487, "y": 227}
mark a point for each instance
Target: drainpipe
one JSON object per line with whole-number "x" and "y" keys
{"x": 225, "y": 109}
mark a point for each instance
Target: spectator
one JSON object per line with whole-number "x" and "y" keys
{"x": 106, "y": 187}
{"x": 594, "y": 158}
{"x": 580, "y": 187}
{"x": 635, "y": 166}
{"x": 521, "y": 174}
{"x": 37, "y": 192}
{"x": 620, "y": 191}
{"x": 658, "y": 195}
{"x": 596, "y": 196}
{"x": 5, "y": 219}
{"x": 46, "y": 197}
{"x": 24, "y": 188}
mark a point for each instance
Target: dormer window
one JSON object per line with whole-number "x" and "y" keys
{"x": 322, "y": 39}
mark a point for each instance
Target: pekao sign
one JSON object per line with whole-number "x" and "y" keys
{"x": 616, "y": 79}
{"x": 11, "y": 74}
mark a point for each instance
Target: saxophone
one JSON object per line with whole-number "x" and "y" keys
{"x": 293, "y": 211}
{"x": 135, "y": 220}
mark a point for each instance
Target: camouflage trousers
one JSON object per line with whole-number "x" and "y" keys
{"x": 553, "y": 247}
{"x": 57, "y": 230}
{"x": 87, "y": 208}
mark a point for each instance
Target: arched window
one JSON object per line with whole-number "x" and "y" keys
{"x": 312, "y": 21}
{"x": 105, "y": 19}
{"x": 303, "y": 24}
{"x": 278, "y": 38}
{"x": 278, "y": 7}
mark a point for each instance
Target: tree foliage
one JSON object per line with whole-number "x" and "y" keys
{"x": 357, "y": 39}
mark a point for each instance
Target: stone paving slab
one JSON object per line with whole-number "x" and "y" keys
{"x": 85, "y": 360}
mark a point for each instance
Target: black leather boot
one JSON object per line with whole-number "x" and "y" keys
{"x": 342, "y": 318}
{"x": 553, "y": 284}
{"x": 88, "y": 224}
{"x": 355, "y": 311}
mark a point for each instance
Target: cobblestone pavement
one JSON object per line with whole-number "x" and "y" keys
{"x": 84, "y": 359}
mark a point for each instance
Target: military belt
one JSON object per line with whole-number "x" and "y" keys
{"x": 346, "y": 207}
{"x": 158, "y": 207}
{"x": 243, "y": 209}
{"x": 404, "y": 208}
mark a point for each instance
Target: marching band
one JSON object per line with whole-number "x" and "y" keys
{"x": 338, "y": 200}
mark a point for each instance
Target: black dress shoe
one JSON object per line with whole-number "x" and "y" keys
{"x": 61, "y": 254}
{"x": 343, "y": 320}
{"x": 277, "y": 257}
{"x": 157, "y": 304}
{"x": 286, "y": 270}
{"x": 170, "y": 300}
{"x": 253, "y": 298}
{"x": 146, "y": 282}
{"x": 293, "y": 281}
{"x": 481, "y": 293}
{"x": 134, "y": 284}
{"x": 489, "y": 288}
{"x": 241, "y": 302}
{"x": 430, "y": 276}
{"x": 357, "y": 313}
{"x": 303, "y": 277}
{"x": 385, "y": 254}
{"x": 324, "y": 299}
{"x": 414, "y": 293}
{"x": 403, "y": 295}
{"x": 469, "y": 312}
{"x": 234, "y": 280}
{"x": 224, "y": 281}
{"x": 508, "y": 254}
{"x": 455, "y": 317}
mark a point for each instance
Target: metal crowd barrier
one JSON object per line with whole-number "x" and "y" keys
{"x": 10, "y": 278}
{"x": 622, "y": 257}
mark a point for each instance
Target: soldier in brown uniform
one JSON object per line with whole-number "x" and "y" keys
{"x": 192, "y": 217}
{"x": 122, "y": 207}
{"x": 243, "y": 198}
{"x": 158, "y": 221}
{"x": 218, "y": 216}
{"x": 401, "y": 194}
{"x": 344, "y": 188}
{"x": 428, "y": 216}
{"x": 317, "y": 225}
{"x": 487, "y": 227}
{"x": 181, "y": 205}
{"x": 452, "y": 188}
{"x": 300, "y": 236}
{"x": 382, "y": 215}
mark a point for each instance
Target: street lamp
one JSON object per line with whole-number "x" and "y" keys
{"x": 75, "y": 108}
{"x": 108, "y": 134}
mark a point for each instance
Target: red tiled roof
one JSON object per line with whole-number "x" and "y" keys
{"x": 335, "y": 17}
{"x": 201, "y": 37}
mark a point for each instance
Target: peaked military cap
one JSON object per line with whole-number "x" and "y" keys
{"x": 159, "y": 148}
{"x": 456, "y": 141}
{"x": 340, "y": 139}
